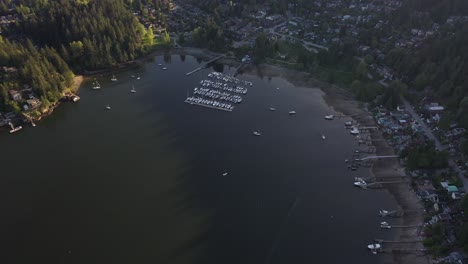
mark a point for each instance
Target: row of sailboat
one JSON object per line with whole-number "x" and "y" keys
{"x": 96, "y": 86}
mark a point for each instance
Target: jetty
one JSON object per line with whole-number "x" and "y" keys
{"x": 208, "y": 103}
{"x": 205, "y": 66}
{"x": 381, "y": 241}
{"x": 378, "y": 157}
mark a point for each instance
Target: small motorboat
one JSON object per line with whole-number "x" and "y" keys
{"x": 133, "y": 90}
{"x": 256, "y": 133}
{"x": 272, "y": 109}
{"x": 133, "y": 76}
{"x": 108, "y": 107}
{"x": 138, "y": 78}
{"x": 329, "y": 117}
{"x": 159, "y": 64}
{"x": 354, "y": 131}
{"x": 385, "y": 225}
{"x": 323, "y": 136}
{"x": 348, "y": 124}
{"x": 113, "y": 79}
{"x": 359, "y": 182}
{"x": 277, "y": 88}
{"x": 292, "y": 112}
{"x": 164, "y": 68}
{"x": 374, "y": 248}
{"x": 224, "y": 174}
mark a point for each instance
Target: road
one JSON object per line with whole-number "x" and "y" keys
{"x": 438, "y": 145}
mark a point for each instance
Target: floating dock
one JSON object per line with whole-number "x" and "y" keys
{"x": 209, "y": 106}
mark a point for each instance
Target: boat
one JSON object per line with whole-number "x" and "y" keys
{"x": 323, "y": 136}
{"x": 14, "y": 129}
{"x": 359, "y": 182}
{"x": 138, "y": 78}
{"x": 164, "y": 68}
{"x": 374, "y": 248}
{"x": 329, "y": 117}
{"x": 272, "y": 109}
{"x": 256, "y": 133}
{"x": 292, "y": 112}
{"x": 108, "y": 107}
{"x": 385, "y": 225}
{"x": 224, "y": 174}
{"x": 133, "y": 89}
{"x": 133, "y": 76}
{"x": 159, "y": 64}
{"x": 75, "y": 98}
{"x": 277, "y": 88}
{"x": 348, "y": 124}
{"x": 114, "y": 79}
{"x": 96, "y": 85}
{"x": 354, "y": 131}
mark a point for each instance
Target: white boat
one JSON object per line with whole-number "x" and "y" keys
{"x": 108, "y": 107}
{"x": 385, "y": 225}
{"x": 277, "y": 88}
{"x": 133, "y": 89}
{"x": 292, "y": 112}
{"x": 359, "y": 182}
{"x": 329, "y": 117}
{"x": 133, "y": 76}
{"x": 354, "y": 131}
{"x": 224, "y": 174}
{"x": 374, "y": 248}
{"x": 96, "y": 85}
{"x": 138, "y": 78}
{"x": 159, "y": 64}
{"x": 323, "y": 136}
{"x": 272, "y": 109}
{"x": 348, "y": 124}
{"x": 256, "y": 133}
{"x": 114, "y": 79}
{"x": 164, "y": 68}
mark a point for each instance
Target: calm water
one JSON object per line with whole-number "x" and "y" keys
{"x": 143, "y": 183}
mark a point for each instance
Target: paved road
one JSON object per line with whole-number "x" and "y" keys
{"x": 438, "y": 145}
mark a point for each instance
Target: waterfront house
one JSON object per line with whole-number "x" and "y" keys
{"x": 15, "y": 95}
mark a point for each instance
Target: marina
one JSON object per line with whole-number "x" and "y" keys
{"x": 223, "y": 86}
{"x": 218, "y": 97}
{"x": 209, "y": 103}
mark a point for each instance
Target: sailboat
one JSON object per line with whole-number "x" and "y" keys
{"x": 114, "y": 79}
{"x": 96, "y": 85}
{"x": 133, "y": 89}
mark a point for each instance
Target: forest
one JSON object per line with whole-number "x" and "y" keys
{"x": 53, "y": 38}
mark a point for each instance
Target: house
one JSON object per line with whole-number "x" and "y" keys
{"x": 430, "y": 195}
{"x": 33, "y": 103}
{"x": 15, "y": 95}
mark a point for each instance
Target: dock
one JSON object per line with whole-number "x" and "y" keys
{"x": 209, "y": 106}
{"x": 205, "y": 66}
{"x": 381, "y": 241}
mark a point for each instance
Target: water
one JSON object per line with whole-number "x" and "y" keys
{"x": 142, "y": 183}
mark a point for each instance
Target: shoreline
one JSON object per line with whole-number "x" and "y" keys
{"x": 343, "y": 102}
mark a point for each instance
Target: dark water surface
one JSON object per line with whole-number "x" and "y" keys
{"x": 142, "y": 183}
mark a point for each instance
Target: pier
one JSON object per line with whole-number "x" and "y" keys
{"x": 205, "y": 66}
{"x": 238, "y": 68}
{"x": 209, "y": 106}
{"x": 377, "y": 157}
{"x": 381, "y": 241}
